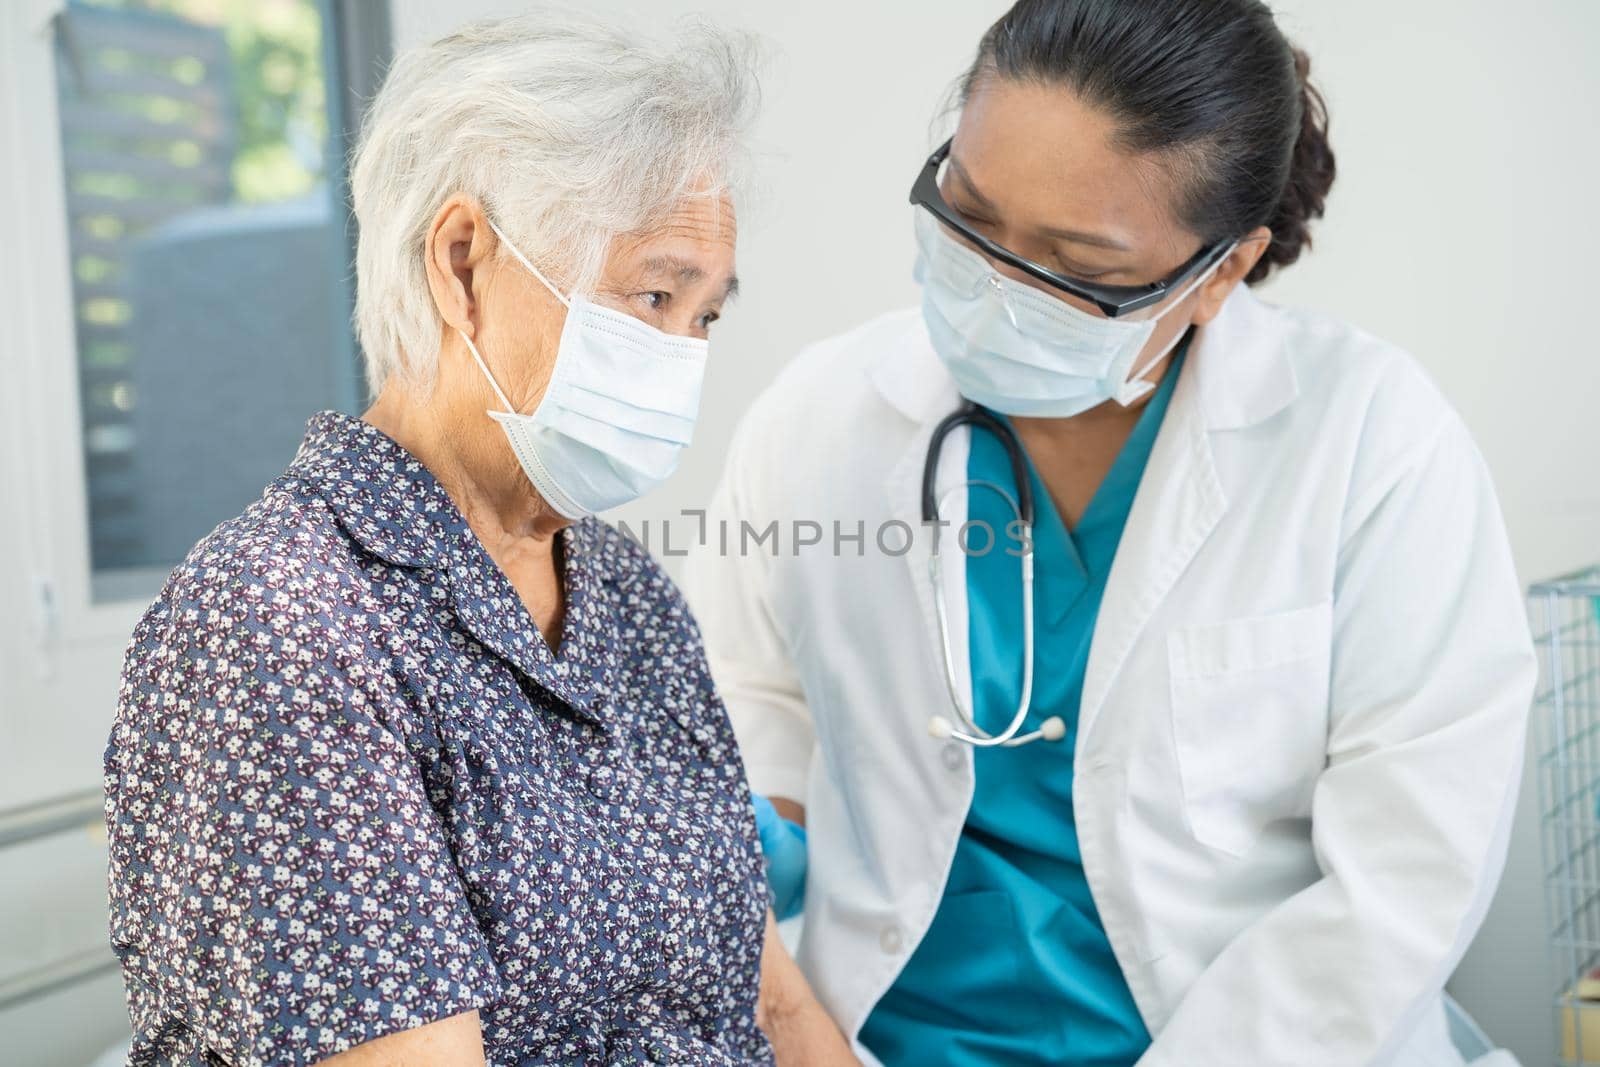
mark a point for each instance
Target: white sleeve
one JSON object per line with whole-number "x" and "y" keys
{"x": 1433, "y": 672}
{"x": 730, "y": 594}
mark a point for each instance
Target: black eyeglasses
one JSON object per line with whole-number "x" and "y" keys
{"x": 1112, "y": 300}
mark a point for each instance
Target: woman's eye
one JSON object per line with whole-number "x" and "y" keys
{"x": 975, "y": 221}
{"x": 707, "y": 319}
{"x": 655, "y": 300}
{"x": 1081, "y": 273}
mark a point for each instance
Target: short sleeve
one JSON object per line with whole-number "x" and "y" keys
{"x": 281, "y": 888}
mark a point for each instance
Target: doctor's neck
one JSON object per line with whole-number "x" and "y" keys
{"x": 1073, "y": 455}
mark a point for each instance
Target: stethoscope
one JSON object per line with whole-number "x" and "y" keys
{"x": 1052, "y": 729}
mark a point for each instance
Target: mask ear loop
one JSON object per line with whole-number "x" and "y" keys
{"x": 535, "y": 271}
{"x": 515, "y": 251}
{"x": 1136, "y": 385}
{"x": 505, "y": 400}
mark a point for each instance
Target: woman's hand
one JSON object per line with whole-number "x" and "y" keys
{"x": 801, "y": 1031}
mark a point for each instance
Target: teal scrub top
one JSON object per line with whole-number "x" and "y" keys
{"x": 1016, "y": 967}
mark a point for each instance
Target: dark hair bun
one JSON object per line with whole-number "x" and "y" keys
{"x": 1311, "y": 172}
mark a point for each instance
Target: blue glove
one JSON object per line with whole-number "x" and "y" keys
{"x": 784, "y": 845}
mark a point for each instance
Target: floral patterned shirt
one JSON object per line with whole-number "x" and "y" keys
{"x": 351, "y": 790}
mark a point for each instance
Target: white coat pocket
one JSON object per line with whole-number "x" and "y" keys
{"x": 1249, "y": 718}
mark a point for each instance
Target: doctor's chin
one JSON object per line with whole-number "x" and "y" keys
{"x": 998, "y": 534}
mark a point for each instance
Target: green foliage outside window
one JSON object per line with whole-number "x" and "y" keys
{"x": 278, "y": 89}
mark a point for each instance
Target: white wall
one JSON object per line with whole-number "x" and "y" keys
{"x": 1462, "y": 225}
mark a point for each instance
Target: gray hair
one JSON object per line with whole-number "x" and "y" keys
{"x": 567, "y": 129}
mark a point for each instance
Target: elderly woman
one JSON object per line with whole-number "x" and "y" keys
{"x": 415, "y": 761}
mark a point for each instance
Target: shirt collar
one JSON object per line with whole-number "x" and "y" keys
{"x": 488, "y": 607}
{"x": 391, "y": 505}
{"x": 380, "y": 494}
{"x": 1241, "y": 363}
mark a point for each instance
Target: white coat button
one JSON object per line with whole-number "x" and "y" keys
{"x": 889, "y": 940}
{"x": 950, "y": 756}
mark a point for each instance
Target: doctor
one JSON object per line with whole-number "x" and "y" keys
{"x": 1271, "y": 667}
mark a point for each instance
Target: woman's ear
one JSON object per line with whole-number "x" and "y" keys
{"x": 458, "y": 244}
{"x": 1214, "y": 293}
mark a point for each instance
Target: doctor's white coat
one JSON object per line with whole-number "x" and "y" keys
{"x": 1303, "y": 720}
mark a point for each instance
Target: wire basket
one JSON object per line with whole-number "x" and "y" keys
{"x": 1566, "y": 626}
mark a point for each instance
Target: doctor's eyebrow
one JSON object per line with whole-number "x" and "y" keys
{"x": 686, "y": 273}
{"x": 1098, "y": 240}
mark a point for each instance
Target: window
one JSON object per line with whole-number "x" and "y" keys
{"x": 177, "y": 305}
{"x": 210, "y": 247}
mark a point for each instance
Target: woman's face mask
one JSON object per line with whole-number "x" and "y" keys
{"x": 1018, "y": 350}
{"x": 617, "y": 414}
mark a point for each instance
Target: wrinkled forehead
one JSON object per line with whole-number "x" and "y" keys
{"x": 691, "y": 244}
{"x": 705, "y": 220}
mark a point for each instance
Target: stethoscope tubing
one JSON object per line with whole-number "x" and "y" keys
{"x": 1022, "y": 510}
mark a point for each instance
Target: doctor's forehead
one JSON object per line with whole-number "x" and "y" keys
{"x": 1043, "y": 157}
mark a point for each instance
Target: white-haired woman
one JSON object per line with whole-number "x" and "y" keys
{"x": 416, "y": 761}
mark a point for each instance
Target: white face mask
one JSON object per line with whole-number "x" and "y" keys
{"x": 1020, "y": 351}
{"x": 617, "y": 414}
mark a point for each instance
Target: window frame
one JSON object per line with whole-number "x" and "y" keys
{"x": 41, "y": 409}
